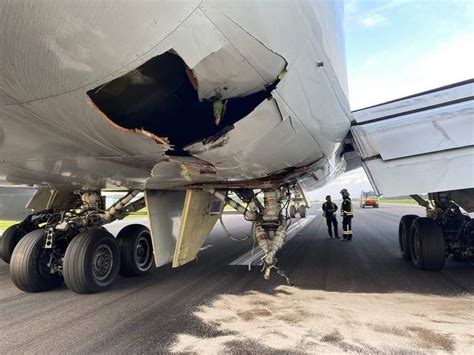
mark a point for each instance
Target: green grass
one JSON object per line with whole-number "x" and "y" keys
{"x": 399, "y": 201}
{"x": 139, "y": 214}
{"x": 5, "y": 224}
{"x": 143, "y": 213}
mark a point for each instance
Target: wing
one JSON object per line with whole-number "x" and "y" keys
{"x": 421, "y": 143}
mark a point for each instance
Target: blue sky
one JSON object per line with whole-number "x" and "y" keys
{"x": 396, "y": 48}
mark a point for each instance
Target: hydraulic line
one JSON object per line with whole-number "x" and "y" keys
{"x": 116, "y": 209}
{"x": 232, "y": 237}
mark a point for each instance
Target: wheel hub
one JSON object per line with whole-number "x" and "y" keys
{"x": 142, "y": 252}
{"x": 102, "y": 262}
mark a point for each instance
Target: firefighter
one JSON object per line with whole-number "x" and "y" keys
{"x": 346, "y": 213}
{"x": 329, "y": 212}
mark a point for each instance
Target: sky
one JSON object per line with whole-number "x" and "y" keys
{"x": 396, "y": 48}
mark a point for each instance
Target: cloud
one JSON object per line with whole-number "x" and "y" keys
{"x": 394, "y": 4}
{"x": 360, "y": 13}
{"x": 373, "y": 20}
{"x": 350, "y": 7}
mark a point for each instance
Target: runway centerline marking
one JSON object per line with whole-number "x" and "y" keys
{"x": 249, "y": 258}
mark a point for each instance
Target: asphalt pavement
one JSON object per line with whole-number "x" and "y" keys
{"x": 356, "y": 296}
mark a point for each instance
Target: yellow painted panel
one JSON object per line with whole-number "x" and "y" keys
{"x": 200, "y": 214}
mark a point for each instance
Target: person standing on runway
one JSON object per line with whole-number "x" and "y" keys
{"x": 346, "y": 213}
{"x": 329, "y": 212}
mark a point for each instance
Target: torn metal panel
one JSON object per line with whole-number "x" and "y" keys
{"x": 225, "y": 74}
{"x": 180, "y": 171}
{"x": 159, "y": 99}
{"x": 259, "y": 144}
{"x": 53, "y": 48}
{"x": 319, "y": 22}
{"x": 200, "y": 214}
{"x": 315, "y": 95}
{"x": 70, "y": 145}
{"x": 165, "y": 209}
{"x": 245, "y": 65}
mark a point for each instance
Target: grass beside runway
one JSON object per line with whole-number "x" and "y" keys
{"x": 5, "y": 224}
{"x": 399, "y": 202}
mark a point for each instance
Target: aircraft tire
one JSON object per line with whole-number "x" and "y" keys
{"x": 28, "y": 267}
{"x": 292, "y": 211}
{"x": 136, "y": 250}
{"x": 427, "y": 244}
{"x": 302, "y": 211}
{"x": 9, "y": 240}
{"x": 92, "y": 261}
{"x": 404, "y": 228}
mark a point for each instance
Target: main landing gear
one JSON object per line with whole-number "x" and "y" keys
{"x": 445, "y": 232}
{"x": 74, "y": 248}
{"x": 298, "y": 205}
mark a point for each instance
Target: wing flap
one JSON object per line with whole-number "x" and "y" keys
{"x": 421, "y": 143}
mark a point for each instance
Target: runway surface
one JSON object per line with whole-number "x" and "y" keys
{"x": 348, "y": 296}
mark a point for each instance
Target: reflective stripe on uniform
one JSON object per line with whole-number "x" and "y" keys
{"x": 347, "y": 232}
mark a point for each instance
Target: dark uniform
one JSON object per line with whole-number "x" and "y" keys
{"x": 330, "y": 209}
{"x": 346, "y": 213}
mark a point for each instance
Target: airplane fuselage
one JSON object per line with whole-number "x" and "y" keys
{"x": 59, "y": 58}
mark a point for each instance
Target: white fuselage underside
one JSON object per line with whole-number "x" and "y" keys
{"x": 53, "y": 53}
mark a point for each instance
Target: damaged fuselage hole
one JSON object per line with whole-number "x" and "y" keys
{"x": 161, "y": 97}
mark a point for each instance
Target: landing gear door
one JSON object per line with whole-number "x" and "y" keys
{"x": 200, "y": 214}
{"x": 165, "y": 209}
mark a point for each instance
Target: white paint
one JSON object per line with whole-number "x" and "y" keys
{"x": 250, "y": 257}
